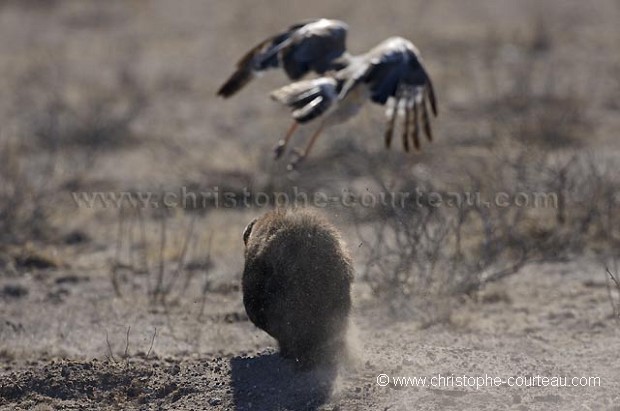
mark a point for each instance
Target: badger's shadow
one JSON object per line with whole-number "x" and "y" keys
{"x": 269, "y": 382}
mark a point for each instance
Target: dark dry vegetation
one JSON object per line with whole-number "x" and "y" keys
{"x": 140, "y": 308}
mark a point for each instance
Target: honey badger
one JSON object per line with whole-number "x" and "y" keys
{"x": 297, "y": 284}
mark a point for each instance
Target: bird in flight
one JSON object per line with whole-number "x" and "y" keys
{"x": 391, "y": 74}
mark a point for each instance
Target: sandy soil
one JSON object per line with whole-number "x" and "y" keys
{"x": 119, "y": 95}
{"x": 551, "y": 320}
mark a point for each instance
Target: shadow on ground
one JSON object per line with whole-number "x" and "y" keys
{"x": 268, "y": 382}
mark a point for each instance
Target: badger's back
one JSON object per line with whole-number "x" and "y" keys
{"x": 296, "y": 282}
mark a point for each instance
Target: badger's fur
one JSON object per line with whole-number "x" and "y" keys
{"x": 297, "y": 284}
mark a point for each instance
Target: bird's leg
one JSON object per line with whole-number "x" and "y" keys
{"x": 415, "y": 126}
{"x": 281, "y": 146}
{"x": 425, "y": 120}
{"x": 389, "y": 131}
{"x": 300, "y": 155}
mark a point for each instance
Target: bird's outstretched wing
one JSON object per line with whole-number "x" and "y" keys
{"x": 393, "y": 71}
{"x": 307, "y": 46}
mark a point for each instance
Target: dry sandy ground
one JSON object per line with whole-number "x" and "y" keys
{"x": 550, "y": 320}
{"x": 69, "y": 341}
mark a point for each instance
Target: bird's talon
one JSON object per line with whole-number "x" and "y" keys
{"x": 292, "y": 166}
{"x": 278, "y": 150}
{"x": 298, "y": 156}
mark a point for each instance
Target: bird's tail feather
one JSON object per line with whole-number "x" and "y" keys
{"x": 308, "y": 99}
{"x": 312, "y": 110}
{"x": 236, "y": 82}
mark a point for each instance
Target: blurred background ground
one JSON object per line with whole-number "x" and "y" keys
{"x": 140, "y": 308}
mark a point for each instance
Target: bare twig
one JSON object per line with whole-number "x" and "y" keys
{"x": 207, "y": 283}
{"x": 117, "y": 255}
{"x": 152, "y": 342}
{"x": 182, "y": 258}
{"x": 143, "y": 244}
{"x": 126, "y": 353}
{"x": 614, "y": 301}
{"x": 110, "y": 352}
{"x": 613, "y": 278}
{"x": 162, "y": 260}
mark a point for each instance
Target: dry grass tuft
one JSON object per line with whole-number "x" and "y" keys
{"x": 419, "y": 249}
{"x": 168, "y": 257}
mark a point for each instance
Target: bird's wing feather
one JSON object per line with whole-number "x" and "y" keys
{"x": 392, "y": 64}
{"x": 314, "y": 47}
{"x": 394, "y": 70}
{"x": 307, "y": 46}
{"x": 431, "y": 95}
